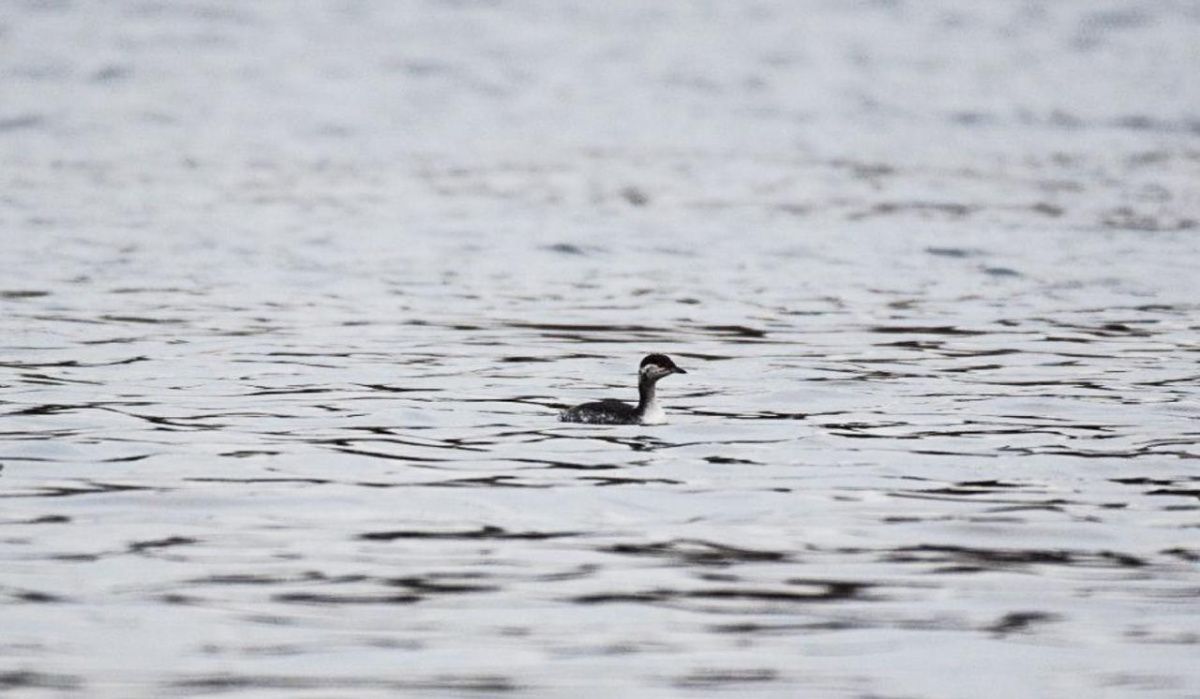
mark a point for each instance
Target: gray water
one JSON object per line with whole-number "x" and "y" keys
{"x": 292, "y": 294}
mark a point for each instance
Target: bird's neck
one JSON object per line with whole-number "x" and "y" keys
{"x": 646, "y": 395}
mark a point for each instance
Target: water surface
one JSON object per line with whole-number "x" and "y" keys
{"x": 291, "y": 299}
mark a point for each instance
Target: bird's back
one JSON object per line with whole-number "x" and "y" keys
{"x": 602, "y": 412}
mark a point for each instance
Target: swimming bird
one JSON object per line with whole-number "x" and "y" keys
{"x": 615, "y": 412}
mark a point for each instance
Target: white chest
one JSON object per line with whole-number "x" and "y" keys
{"x": 654, "y": 415}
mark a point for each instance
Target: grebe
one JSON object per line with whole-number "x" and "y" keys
{"x": 615, "y": 412}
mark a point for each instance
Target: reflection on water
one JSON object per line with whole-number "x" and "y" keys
{"x": 279, "y": 388}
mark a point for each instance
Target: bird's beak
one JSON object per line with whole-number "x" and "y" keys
{"x": 677, "y": 370}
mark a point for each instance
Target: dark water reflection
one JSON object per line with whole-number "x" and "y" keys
{"x": 279, "y": 367}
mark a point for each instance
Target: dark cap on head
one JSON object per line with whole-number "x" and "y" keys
{"x": 663, "y": 361}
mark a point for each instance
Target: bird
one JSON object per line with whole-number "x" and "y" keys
{"x": 614, "y": 412}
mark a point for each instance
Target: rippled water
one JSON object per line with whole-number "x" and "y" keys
{"x": 291, "y": 299}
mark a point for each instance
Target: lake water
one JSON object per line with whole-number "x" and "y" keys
{"x": 291, "y": 296}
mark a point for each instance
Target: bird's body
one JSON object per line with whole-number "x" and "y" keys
{"x": 615, "y": 412}
{"x": 603, "y": 412}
